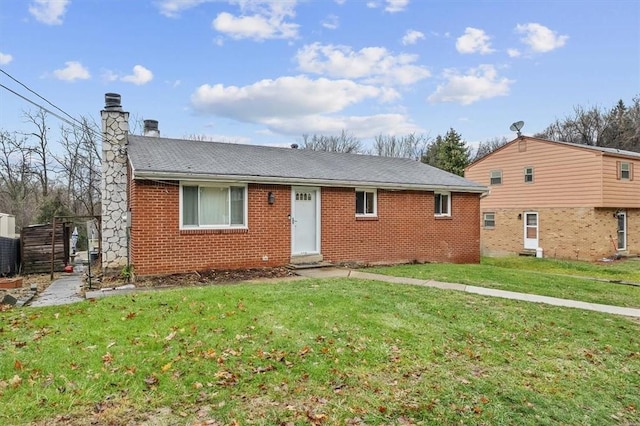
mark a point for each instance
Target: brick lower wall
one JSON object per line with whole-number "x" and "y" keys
{"x": 565, "y": 233}
{"x": 404, "y": 231}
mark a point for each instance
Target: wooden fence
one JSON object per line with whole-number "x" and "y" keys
{"x": 37, "y": 244}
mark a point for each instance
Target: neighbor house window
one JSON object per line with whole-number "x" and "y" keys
{"x": 209, "y": 206}
{"x": 366, "y": 202}
{"x": 625, "y": 170}
{"x": 489, "y": 220}
{"x": 495, "y": 177}
{"x": 528, "y": 174}
{"x": 443, "y": 204}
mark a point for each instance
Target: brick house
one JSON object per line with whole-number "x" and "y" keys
{"x": 173, "y": 205}
{"x": 571, "y": 201}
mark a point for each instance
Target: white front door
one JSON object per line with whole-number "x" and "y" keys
{"x": 530, "y": 230}
{"x": 305, "y": 221}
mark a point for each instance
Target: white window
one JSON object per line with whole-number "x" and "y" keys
{"x": 489, "y": 220}
{"x": 209, "y": 206}
{"x": 442, "y": 204}
{"x": 495, "y": 177}
{"x": 528, "y": 174}
{"x": 624, "y": 170}
{"x": 366, "y": 201}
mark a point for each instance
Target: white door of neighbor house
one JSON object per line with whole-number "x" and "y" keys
{"x": 622, "y": 230}
{"x": 530, "y": 230}
{"x": 305, "y": 221}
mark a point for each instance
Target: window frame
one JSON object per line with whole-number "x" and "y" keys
{"x": 492, "y": 177}
{"x": 437, "y": 194}
{"x": 228, "y": 186}
{"x": 373, "y": 191}
{"x": 629, "y": 170}
{"x": 526, "y": 175}
{"x": 485, "y": 220}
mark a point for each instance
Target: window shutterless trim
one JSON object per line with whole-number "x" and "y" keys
{"x": 365, "y": 191}
{"x": 227, "y": 186}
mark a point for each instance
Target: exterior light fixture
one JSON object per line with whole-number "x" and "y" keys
{"x": 271, "y": 198}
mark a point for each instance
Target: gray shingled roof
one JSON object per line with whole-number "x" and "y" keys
{"x": 613, "y": 151}
{"x": 162, "y": 158}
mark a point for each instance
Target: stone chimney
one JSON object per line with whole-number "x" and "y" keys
{"x": 115, "y": 206}
{"x": 151, "y": 128}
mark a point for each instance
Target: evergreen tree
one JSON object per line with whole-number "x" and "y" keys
{"x": 449, "y": 153}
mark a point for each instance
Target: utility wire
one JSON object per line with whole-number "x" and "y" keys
{"x": 73, "y": 122}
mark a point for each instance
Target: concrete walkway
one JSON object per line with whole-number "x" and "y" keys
{"x": 67, "y": 290}
{"x": 346, "y": 273}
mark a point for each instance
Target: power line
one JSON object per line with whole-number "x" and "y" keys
{"x": 73, "y": 122}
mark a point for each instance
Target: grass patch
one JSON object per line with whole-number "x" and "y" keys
{"x": 317, "y": 352}
{"x": 547, "y": 277}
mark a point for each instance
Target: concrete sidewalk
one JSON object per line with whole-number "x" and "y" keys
{"x": 346, "y": 273}
{"x": 68, "y": 290}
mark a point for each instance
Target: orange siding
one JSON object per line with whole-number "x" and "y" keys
{"x": 564, "y": 176}
{"x": 617, "y": 192}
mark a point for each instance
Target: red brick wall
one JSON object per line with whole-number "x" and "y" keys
{"x": 405, "y": 230}
{"x": 159, "y": 246}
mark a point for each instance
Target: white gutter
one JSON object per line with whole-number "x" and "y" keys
{"x": 304, "y": 181}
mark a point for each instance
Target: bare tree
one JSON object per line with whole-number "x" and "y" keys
{"x": 40, "y": 156}
{"x": 343, "y": 143}
{"x": 80, "y": 166}
{"x": 488, "y": 147}
{"x": 409, "y": 146}
{"x": 17, "y": 186}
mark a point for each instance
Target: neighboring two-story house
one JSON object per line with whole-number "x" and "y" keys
{"x": 559, "y": 199}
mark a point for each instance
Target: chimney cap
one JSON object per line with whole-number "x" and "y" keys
{"x": 151, "y": 128}
{"x": 112, "y": 102}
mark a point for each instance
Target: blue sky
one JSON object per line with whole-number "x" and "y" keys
{"x": 269, "y": 71}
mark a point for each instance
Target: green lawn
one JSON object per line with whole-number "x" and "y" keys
{"x": 548, "y": 277}
{"x": 332, "y": 352}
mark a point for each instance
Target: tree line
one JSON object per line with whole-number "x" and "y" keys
{"x": 41, "y": 178}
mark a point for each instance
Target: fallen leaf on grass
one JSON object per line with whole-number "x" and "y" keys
{"x": 170, "y": 336}
{"x": 166, "y": 367}
{"x": 15, "y": 381}
{"x": 18, "y": 365}
{"x": 107, "y": 358}
{"x": 151, "y": 381}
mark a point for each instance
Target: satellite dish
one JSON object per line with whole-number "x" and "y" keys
{"x": 517, "y": 126}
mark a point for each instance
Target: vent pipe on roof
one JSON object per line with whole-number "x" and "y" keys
{"x": 294, "y": 145}
{"x": 151, "y": 128}
{"x": 112, "y": 102}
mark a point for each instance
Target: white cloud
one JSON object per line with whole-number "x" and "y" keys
{"x": 373, "y": 64}
{"x": 73, "y": 70}
{"x": 541, "y": 38}
{"x": 331, "y": 22}
{"x": 173, "y": 8}
{"x": 259, "y": 20}
{"x": 391, "y": 6}
{"x": 5, "y": 58}
{"x": 396, "y": 5}
{"x": 412, "y": 37}
{"x": 140, "y": 76}
{"x": 284, "y": 97}
{"x": 48, "y": 12}
{"x": 362, "y": 127}
{"x": 474, "y": 40}
{"x": 479, "y": 83}
{"x": 513, "y": 53}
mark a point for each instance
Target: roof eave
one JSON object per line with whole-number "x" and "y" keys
{"x": 153, "y": 175}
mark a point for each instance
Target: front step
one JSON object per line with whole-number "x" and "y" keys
{"x": 309, "y": 265}
{"x": 306, "y": 258}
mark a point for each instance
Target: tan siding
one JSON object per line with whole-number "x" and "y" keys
{"x": 563, "y": 176}
{"x": 620, "y": 193}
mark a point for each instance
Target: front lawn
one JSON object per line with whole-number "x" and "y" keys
{"x": 547, "y": 277}
{"x": 339, "y": 351}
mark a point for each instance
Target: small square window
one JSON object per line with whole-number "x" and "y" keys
{"x": 528, "y": 174}
{"x": 489, "y": 220}
{"x": 366, "y": 202}
{"x": 495, "y": 177}
{"x": 442, "y": 204}
{"x": 625, "y": 171}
